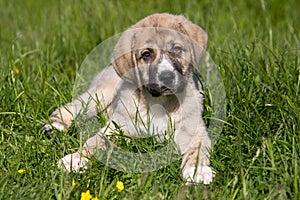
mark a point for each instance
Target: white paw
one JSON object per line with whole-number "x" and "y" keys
{"x": 56, "y": 125}
{"x": 73, "y": 162}
{"x": 203, "y": 174}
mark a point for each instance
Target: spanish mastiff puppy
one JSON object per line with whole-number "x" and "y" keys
{"x": 150, "y": 82}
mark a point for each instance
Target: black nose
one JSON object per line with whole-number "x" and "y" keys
{"x": 167, "y": 77}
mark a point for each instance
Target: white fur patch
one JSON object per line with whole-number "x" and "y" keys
{"x": 73, "y": 162}
{"x": 58, "y": 126}
{"x": 203, "y": 174}
{"x": 165, "y": 65}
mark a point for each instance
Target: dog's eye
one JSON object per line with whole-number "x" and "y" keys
{"x": 177, "y": 50}
{"x": 147, "y": 55}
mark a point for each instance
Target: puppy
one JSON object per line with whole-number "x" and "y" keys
{"x": 151, "y": 77}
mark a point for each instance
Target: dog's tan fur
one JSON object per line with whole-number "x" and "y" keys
{"x": 120, "y": 80}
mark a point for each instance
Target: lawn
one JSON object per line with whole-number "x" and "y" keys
{"x": 255, "y": 46}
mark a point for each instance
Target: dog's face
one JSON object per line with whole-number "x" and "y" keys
{"x": 162, "y": 57}
{"x": 158, "y": 53}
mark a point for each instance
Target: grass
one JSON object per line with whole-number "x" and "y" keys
{"x": 256, "y": 46}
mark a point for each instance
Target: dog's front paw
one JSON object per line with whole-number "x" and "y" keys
{"x": 202, "y": 174}
{"x": 73, "y": 162}
{"x": 54, "y": 125}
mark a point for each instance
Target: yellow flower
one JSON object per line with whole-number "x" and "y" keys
{"x": 21, "y": 171}
{"x": 120, "y": 186}
{"x": 95, "y": 198}
{"x": 73, "y": 183}
{"x": 86, "y": 195}
{"x": 17, "y": 71}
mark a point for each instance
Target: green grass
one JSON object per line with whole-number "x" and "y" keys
{"x": 256, "y": 45}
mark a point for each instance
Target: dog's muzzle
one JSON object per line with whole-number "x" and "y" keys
{"x": 164, "y": 85}
{"x": 157, "y": 90}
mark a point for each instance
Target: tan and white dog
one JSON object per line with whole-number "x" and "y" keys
{"x": 151, "y": 74}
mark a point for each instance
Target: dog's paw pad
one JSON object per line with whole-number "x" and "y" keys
{"x": 202, "y": 174}
{"x": 73, "y": 162}
{"x": 47, "y": 128}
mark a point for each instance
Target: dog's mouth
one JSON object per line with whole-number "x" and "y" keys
{"x": 157, "y": 90}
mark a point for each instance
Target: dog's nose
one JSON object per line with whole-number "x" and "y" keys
{"x": 167, "y": 77}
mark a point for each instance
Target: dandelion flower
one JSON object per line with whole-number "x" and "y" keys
{"x": 17, "y": 71}
{"x": 95, "y": 198}
{"x": 120, "y": 186}
{"x": 73, "y": 183}
{"x": 86, "y": 195}
{"x": 21, "y": 171}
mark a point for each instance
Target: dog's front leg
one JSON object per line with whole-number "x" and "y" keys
{"x": 96, "y": 98}
{"x": 195, "y": 162}
{"x": 62, "y": 117}
{"x": 77, "y": 161}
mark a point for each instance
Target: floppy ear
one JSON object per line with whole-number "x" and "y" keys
{"x": 122, "y": 56}
{"x": 198, "y": 37}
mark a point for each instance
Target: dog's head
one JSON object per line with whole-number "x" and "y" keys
{"x": 158, "y": 53}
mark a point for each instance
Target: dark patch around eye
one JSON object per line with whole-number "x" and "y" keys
{"x": 176, "y": 64}
{"x": 177, "y": 50}
{"x": 147, "y": 55}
